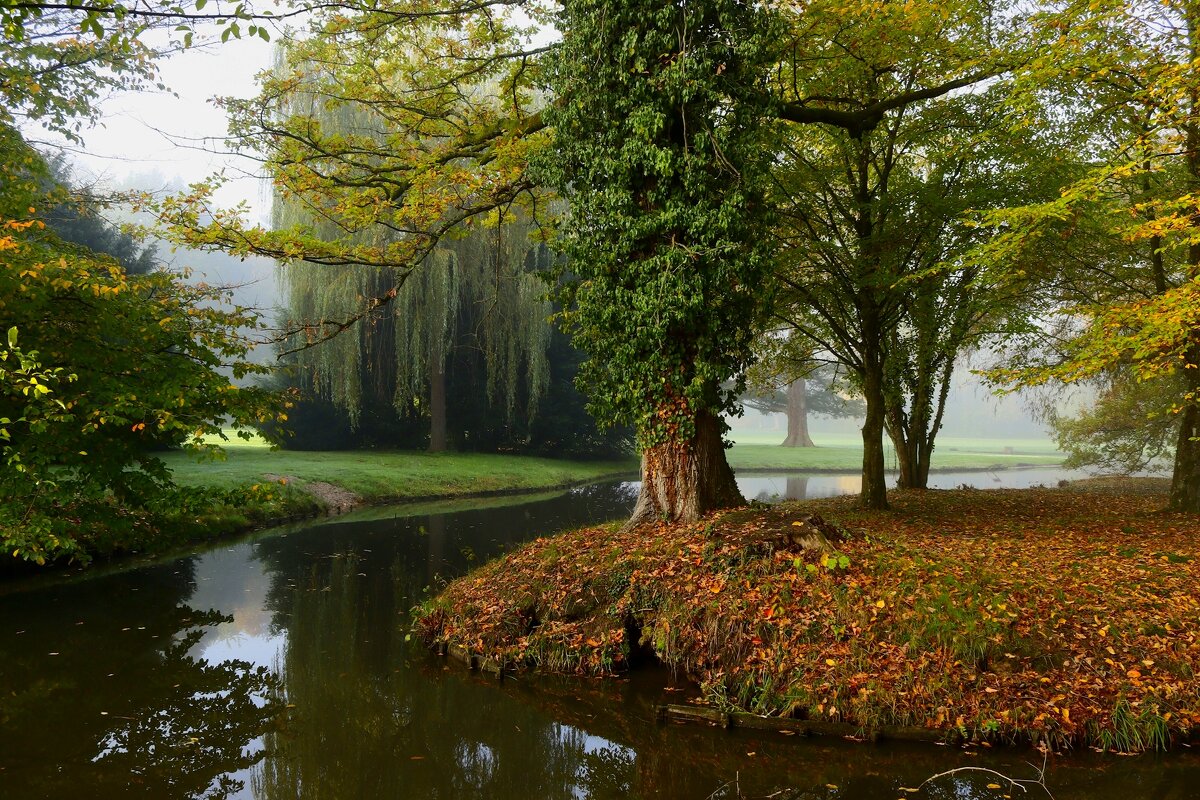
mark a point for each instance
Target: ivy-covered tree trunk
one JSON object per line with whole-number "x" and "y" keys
{"x": 660, "y": 149}
{"x": 797, "y": 416}
{"x": 683, "y": 480}
{"x": 1185, "y": 480}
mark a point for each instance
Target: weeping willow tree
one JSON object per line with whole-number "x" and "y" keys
{"x": 475, "y": 295}
{"x": 475, "y": 300}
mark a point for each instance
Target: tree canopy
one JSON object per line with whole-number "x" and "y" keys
{"x": 892, "y": 173}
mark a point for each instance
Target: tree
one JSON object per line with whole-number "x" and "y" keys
{"x": 73, "y": 215}
{"x": 1133, "y": 314}
{"x": 789, "y": 381}
{"x": 475, "y": 295}
{"x": 436, "y": 118}
{"x": 109, "y": 368}
{"x": 871, "y": 203}
{"x": 658, "y": 151}
{"x": 449, "y": 155}
{"x": 1127, "y": 429}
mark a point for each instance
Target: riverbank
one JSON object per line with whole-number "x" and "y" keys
{"x": 1064, "y": 616}
{"x": 256, "y": 487}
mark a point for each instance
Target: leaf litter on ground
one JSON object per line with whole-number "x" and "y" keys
{"x": 1038, "y": 615}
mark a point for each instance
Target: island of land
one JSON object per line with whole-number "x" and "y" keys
{"x": 1063, "y": 616}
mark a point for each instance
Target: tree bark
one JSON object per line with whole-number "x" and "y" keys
{"x": 906, "y": 460}
{"x": 437, "y": 405}
{"x": 797, "y": 416}
{"x": 874, "y": 478}
{"x": 1185, "y": 480}
{"x": 682, "y": 481}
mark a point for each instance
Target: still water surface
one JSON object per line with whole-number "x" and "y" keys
{"x": 278, "y": 667}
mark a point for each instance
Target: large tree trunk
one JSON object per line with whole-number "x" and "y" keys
{"x": 874, "y": 478}
{"x": 1185, "y": 481}
{"x": 906, "y": 460}
{"x": 682, "y": 481}
{"x": 437, "y": 405}
{"x": 797, "y": 416}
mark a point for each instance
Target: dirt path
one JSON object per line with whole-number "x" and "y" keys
{"x": 336, "y": 498}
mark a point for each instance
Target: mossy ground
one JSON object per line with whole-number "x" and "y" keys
{"x": 1035, "y": 614}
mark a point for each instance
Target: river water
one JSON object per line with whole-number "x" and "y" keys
{"x": 278, "y": 666}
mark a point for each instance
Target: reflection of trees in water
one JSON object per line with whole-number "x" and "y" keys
{"x": 200, "y": 729}
{"x": 797, "y": 487}
{"x": 368, "y": 722}
{"x": 102, "y": 698}
{"x": 606, "y": 773}
{"x": 376, "y": 717}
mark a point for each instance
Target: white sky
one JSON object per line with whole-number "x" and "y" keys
{"x": 153, "y": 137}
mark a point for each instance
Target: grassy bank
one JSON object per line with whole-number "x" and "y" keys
{"x": 254, "y": 486}
{"x": 376, "y": 476}
{"x": 1008, "y": 615}
{"x": 834, "y": 452}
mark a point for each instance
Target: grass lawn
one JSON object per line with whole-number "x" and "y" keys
{"x": 1062, "y": 615}
{"x": 376, "y": 475}
{"x": 761, "y": 450}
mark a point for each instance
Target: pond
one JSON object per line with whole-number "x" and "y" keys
{"x": 279, "y": 667}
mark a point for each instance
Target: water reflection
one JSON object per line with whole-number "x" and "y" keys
{"x": 102, "y": 691}
{"x": 772, "y": 487}
{"x": 300, "y": 683}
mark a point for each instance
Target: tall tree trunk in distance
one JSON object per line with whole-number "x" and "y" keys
{"x": 437, "y": 404}
{"x": 797, "y": 416}
{"x": 682, "y": 481}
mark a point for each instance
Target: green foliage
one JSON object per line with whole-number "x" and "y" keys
{"x": 74, "y": 216}
{"x": 660, "y": 150}
{"x": 52, "y": 75}
{"x": 1129, "y": 428}
{"x": 473, "y": 295}
{"x": 1120, "y": 246}
{"x": 110, "y": 369}
{"x": 432, "y": 120}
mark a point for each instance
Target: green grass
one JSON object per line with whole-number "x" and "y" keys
{"x": 761, "y": 450}
{"x": 377, "y": 475}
